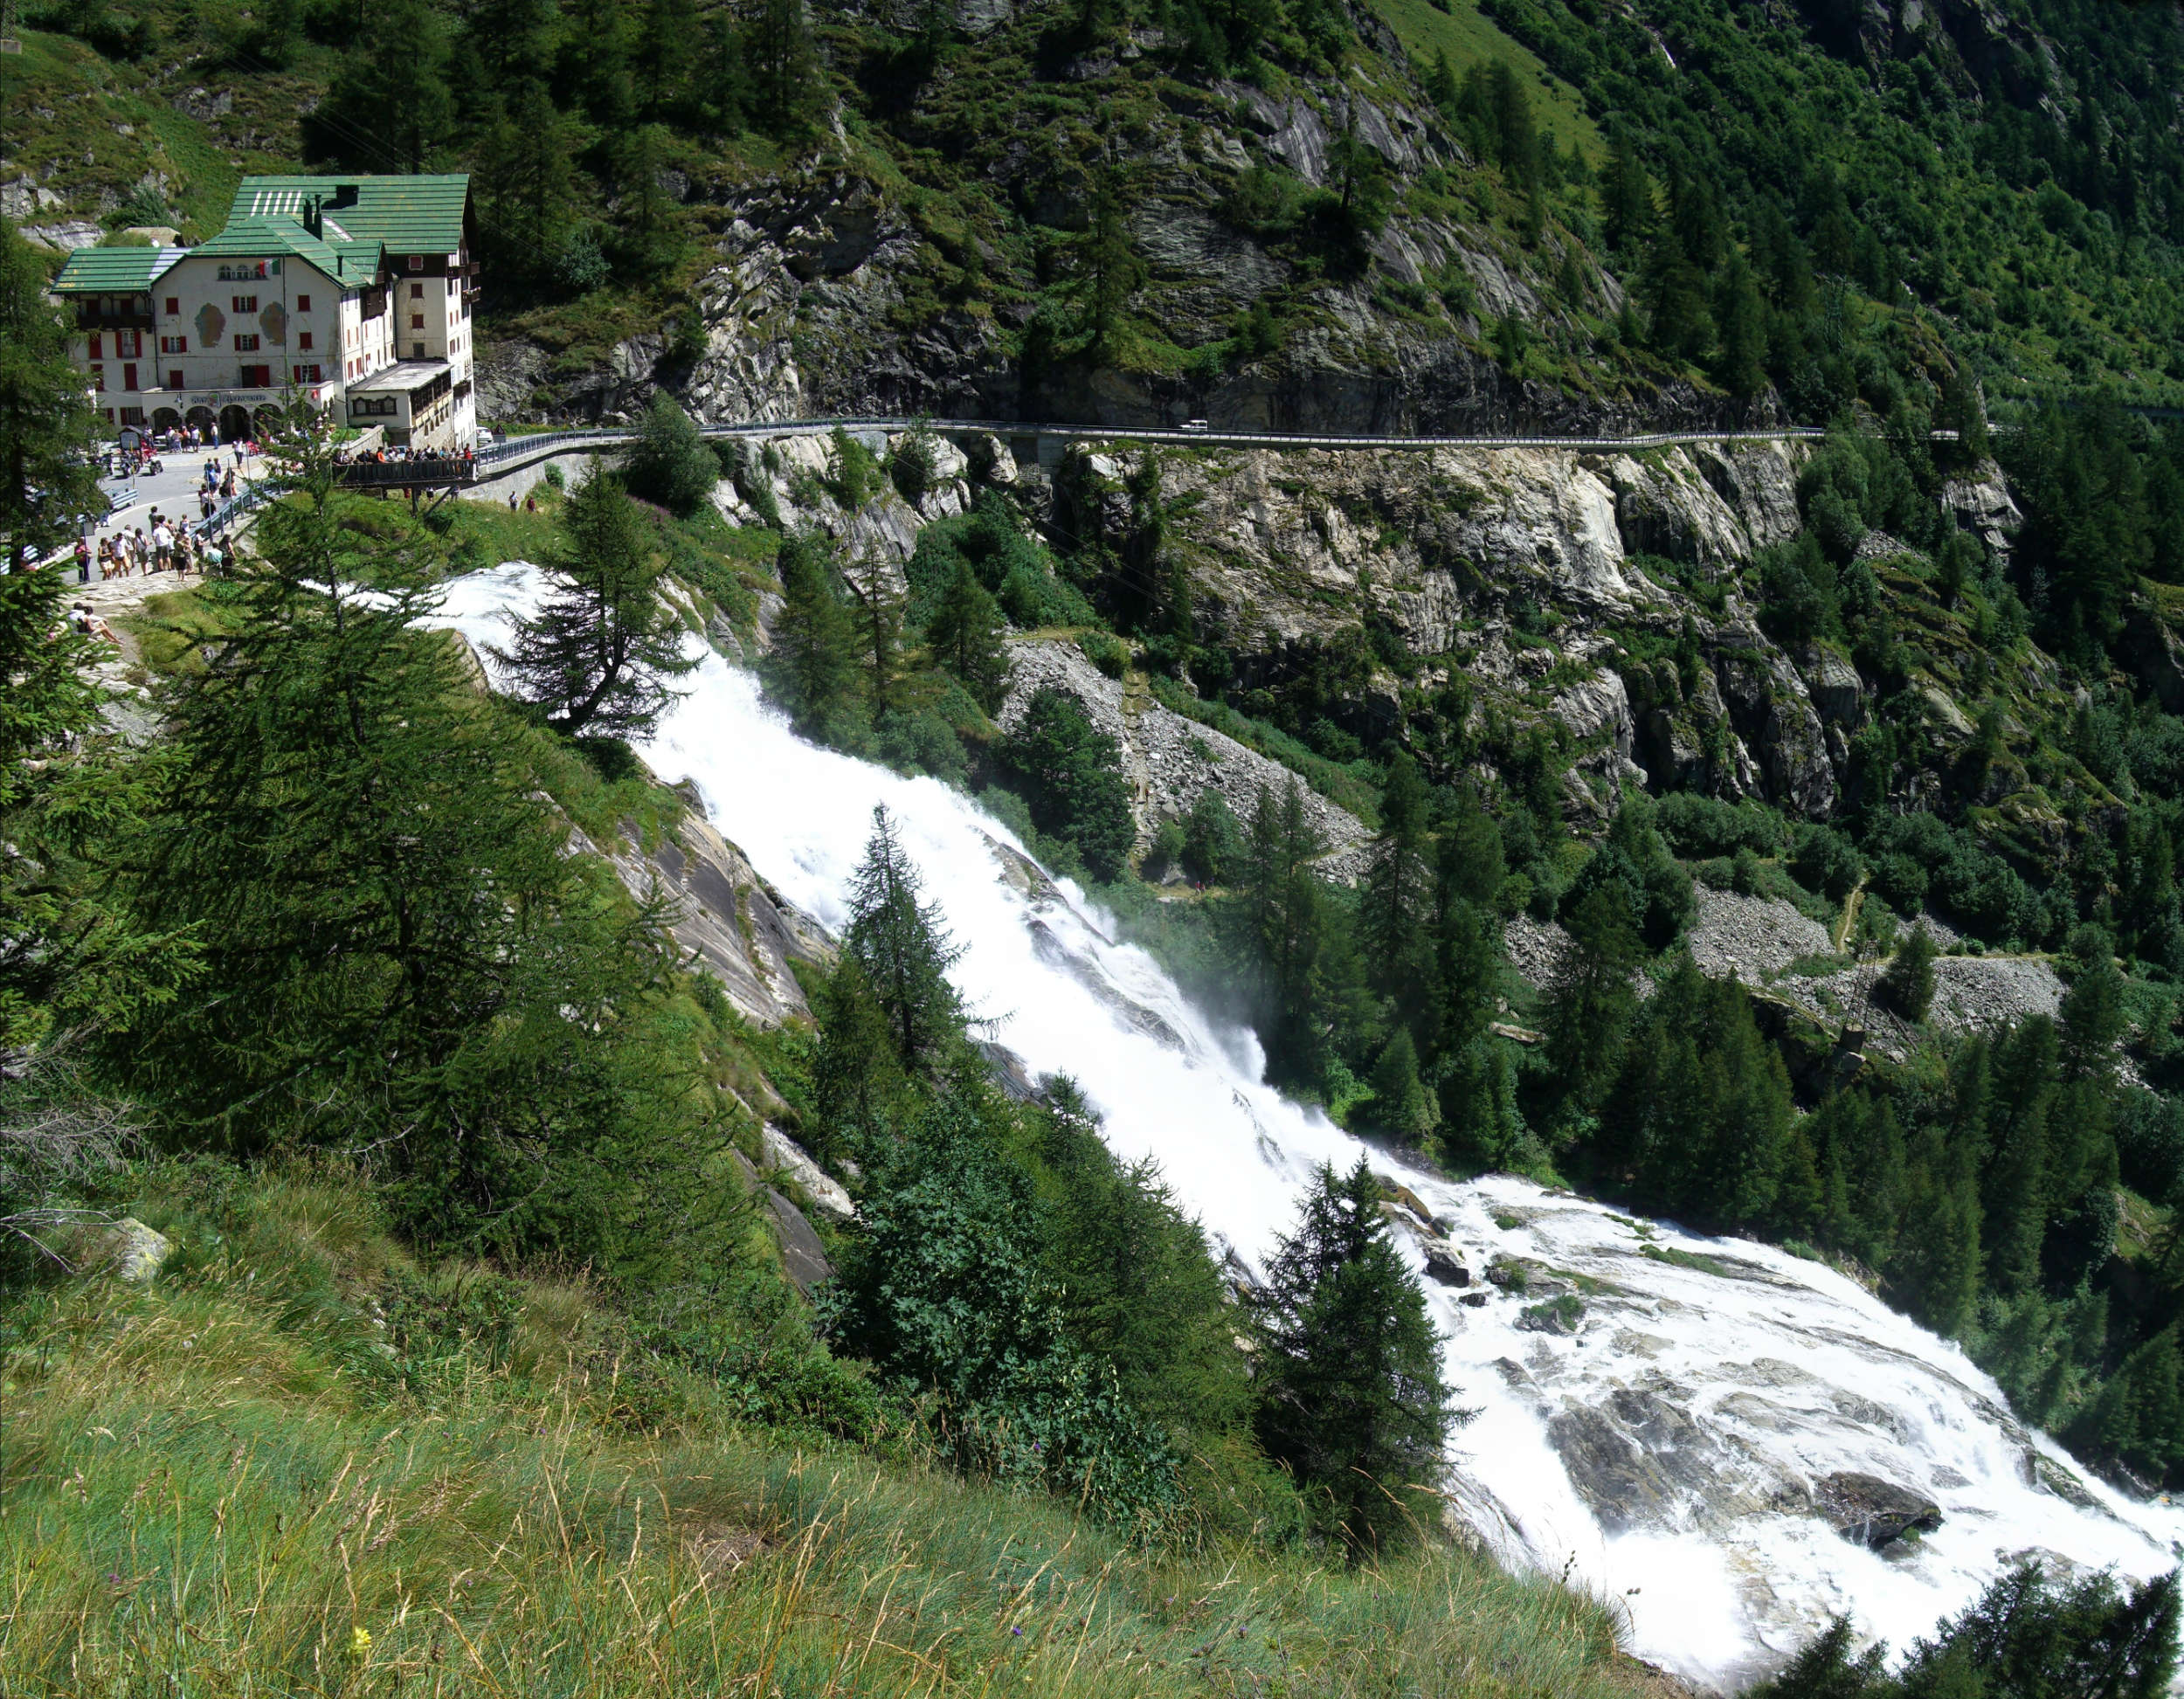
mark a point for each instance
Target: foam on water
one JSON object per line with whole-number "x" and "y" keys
{"x": 1664, "y": 1455}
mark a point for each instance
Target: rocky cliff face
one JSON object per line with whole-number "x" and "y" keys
{"x": 846, "y": 282}
{"x": 1473, "y": 598}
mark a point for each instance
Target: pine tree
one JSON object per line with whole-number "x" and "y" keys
{"x": 812, "y": 668}
{"x": 965, "y": 634}
{"x": 1213, "y": 844}
{"x": 48, "y": 934}
{"x": 1396, "y": 909}
{"x": 879, "y": 627}
{"x": 1287, "y": 932}
{"x": 1740, "y": 318}
{"x": 597, "y": 655}
{"x": 1591, "y": 1001}
{"x": 856, "y": 1079}
{"x": 526, "y": 183}
{"x": 787, "y": 88}
{"x": 1353, "y": 1402}
{"x": 1070, "y": 774}
{"x": 2092, "y": 1017}
{"x": 1400, "y": 1106}
{"x": 1908, "y": 985}
{"x": 1108, "y": 266}
{"x": 392, "y": 91}
{"x": 903, "y": 948}
{"x": 1627, "y": 199}
{"x": 671, "y": 463}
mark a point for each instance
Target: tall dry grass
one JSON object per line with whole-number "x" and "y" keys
{"x": 221, "y": 1485}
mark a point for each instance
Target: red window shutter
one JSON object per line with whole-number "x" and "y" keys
{"x": 174, "y": 380}
{"x": 174, "y": 303}
{"x": 98, "y": 345}
{"x": 128, "y": 377}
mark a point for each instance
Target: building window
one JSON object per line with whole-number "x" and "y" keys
{"x": 244, "y": 303}
{"x": 417, "y": 291}
{"x": 128, "y": 377}
{"x": 129, "y": 343}
{"x": 303, "y": 340}
{"x": 416, "y": 262}
{"x": 416, "y": 350}
{"x": 174, "y": 306}
{"x": 174, "y": 380}
{"x": 109, "y": 415}
{"x": 132, "y": 416}
{"x": 256, "y": 377}
{"x": 417, "y": 321}
{"x": 247, "y": 344}
{"x": 98, "y": 345}
{"x": 303, "y": 303}
{"x": 310, "y": 374}
{"x": 174, "y": 345}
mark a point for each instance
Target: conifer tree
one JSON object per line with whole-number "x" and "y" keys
{"x": 49, "y": 933}
{"x": 787, "y": 89}
{"x": 902, "y": 946}
{"x": 1908, "y": 985}
{"x": 1400, "y": 1106}
{"x": 1740, "y": 318}
{"x": 965, "y": 634}
{"x": 1213, "y": 843}
{"x": 597, "y": 655}
{"x": 1108, "y": 264}
{"x": 1351, "y": 1399}
{"x": 2092, "y": 1018}
{"x": 878, "y": 622}
{"x": 1396, "y": 910}
{"x": 409, "y": 963}
{"x": 526, "y": 183}
{"x": 812, "y": 668}
{"x": 1071, "y": 775}
{"x": 856, "y": 1076}
{"x": 394, "y": 91}
{"x": 1592, "y": 1000}
{"x": 671, "y": 462}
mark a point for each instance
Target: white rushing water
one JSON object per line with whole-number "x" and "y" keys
{"x": 1666, "y": 1455}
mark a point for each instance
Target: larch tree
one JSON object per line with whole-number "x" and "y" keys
{"x": 598, "y": 655}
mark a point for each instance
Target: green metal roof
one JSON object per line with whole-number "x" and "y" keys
{"x": 264, "y": 238}
{"x": 113, "y": 271}
{"x": 408, "y": 215}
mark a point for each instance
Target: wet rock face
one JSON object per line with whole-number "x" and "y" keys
{"x": 1872, "y": 1512}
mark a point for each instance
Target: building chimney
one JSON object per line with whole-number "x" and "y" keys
{"x": 311, "y": 214}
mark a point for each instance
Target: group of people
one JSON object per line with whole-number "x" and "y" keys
{"x": 168, "y": 546}
{"x": 216, "y": 486}
{"x": 401, "y": 455}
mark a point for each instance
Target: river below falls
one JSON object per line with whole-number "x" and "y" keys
{"x": 1670, "y": 1453}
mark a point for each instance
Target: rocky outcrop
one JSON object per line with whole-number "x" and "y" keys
{"x": 1981, "y": 504}
{"x": 1872, "y": 1512}
{"x": 1168, "y": 760}
{"x": 729, "y": 921}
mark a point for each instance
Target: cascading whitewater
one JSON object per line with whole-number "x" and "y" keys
{"x": 1667, "y": 1455}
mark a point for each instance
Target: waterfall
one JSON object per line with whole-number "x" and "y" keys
{"x": 1667, "y": 1455}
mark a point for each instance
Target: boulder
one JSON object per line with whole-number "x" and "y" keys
{"x": 1443, "y": 1265}
{"x": 1873, "y": 1512}
{"x": 137, "y": 1252}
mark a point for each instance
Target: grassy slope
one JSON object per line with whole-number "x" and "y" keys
{"x": 1469, "y": 38}
{"x": 231, "y": 1479}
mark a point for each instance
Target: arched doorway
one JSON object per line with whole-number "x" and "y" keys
{"x": 265, "y": 423}
{"x": 200, "y": 419}
{"x": 165, "y": 418}
{"x": 234, "y": 423}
